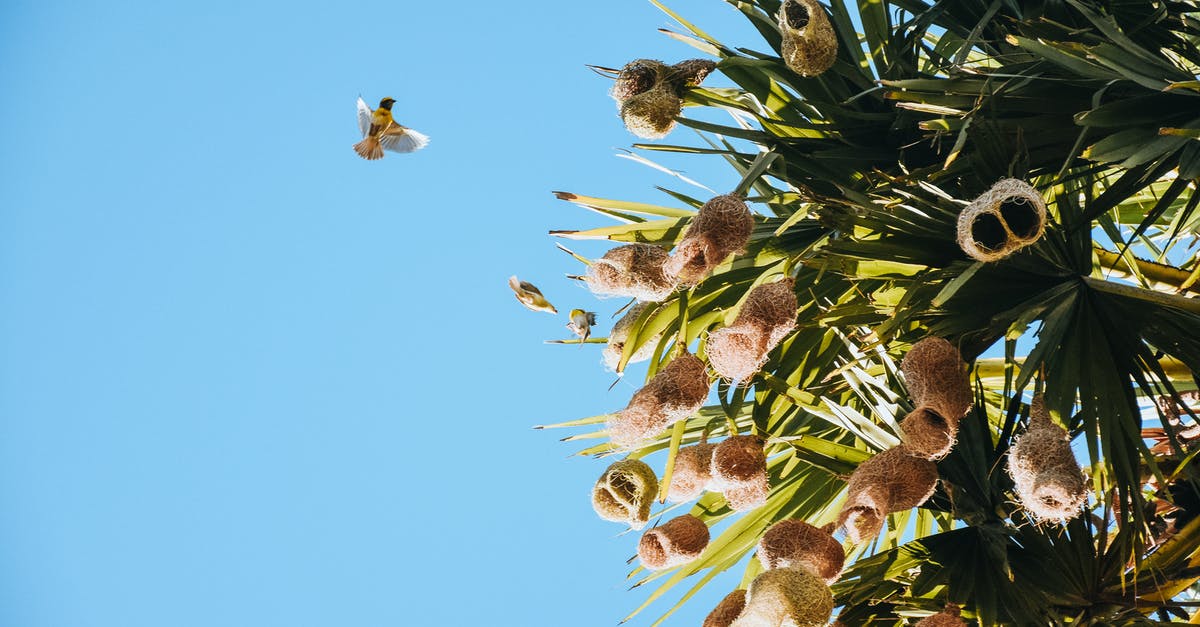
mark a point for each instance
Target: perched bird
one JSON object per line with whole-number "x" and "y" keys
{"x": 581, "y": 323}
{"x": 530, "y": 296}
{"x": 381, "y": 132}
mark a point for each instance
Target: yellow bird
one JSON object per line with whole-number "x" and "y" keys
{"x": 530, "y": 296}
{"x": 581, "y": 323}
{"x": 381, "y": 132}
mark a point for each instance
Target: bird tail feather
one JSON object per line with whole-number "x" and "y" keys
{"x": 369, "y": 148}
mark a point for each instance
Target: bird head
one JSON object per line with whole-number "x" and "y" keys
{"x": 387, "y": 103}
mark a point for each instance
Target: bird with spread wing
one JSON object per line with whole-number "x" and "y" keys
{"x": 381, "y": 132}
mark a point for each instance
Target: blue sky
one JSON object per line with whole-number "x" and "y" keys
{"x": 250, "y": 379}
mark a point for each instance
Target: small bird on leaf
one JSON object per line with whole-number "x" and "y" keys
{"x": 530, "y": 296}
{"x": 381, "y": 132}
{"x": 581, "y": 323}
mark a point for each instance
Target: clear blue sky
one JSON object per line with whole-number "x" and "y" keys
{"x": 247, "y": 379}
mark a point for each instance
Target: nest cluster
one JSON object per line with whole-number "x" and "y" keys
{"x": 679, "y": 541}
{"x": 892, "y": 481}
{"x": 624, "y": 493}
{"x": 620, "y": 334}
{"x": 937, "y": 381}
{"x": 632, "y": 271}
{"x": 674, "y": 393}
{"x": 809, "y": 42}
{"x": 1048, "y": 480}
{"x": 722, "y": 227}
{"x": 1006, "y": 218}
{"x": 739, "y": 350}
{"x": 649, "y": 93}
{"x": 948, "y": 617}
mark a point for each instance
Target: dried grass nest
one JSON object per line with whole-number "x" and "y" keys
{"x": 809, "y": 42}
{"x": 620, "y": 335}
{"x": 674, "y": 543}
{"x": 649, "y": 93}
{"x": 1049, "y": 483}
{"x": 891, "y": 481}
{"x": 739, "y": 471}
{"x": 721, "y": 228}
{"x": 632, "y": 271}
{"x": 674, "y": 393}
{"x": 948, "y": 617}
{"x": 692, "y": 474}
{"x": 1006, "y": 218}
{"x": 786, "y": 596}
{"x": 727, "y": 610}
{"x": 794, "y": 543}
{"x": 937, "y": 381}
{"x": 738, "y": 351}
{"x": 625, "y": 492}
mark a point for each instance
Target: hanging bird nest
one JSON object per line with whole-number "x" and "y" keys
{"x": 637, "y": 77}
{"x": 651, "y": 114}
{"x": 809, "y": 42}
{"x": 738, "y": 461}
{"x": 748, "y": 496}
{"x": 1048, "y": 480}
{"x": 892, "y": 481}
{"x": 727, "y": 610}
{"x": 1007, "y": 217}
{"x": 797, "y": 544}
{"x": 624, "y": 493}
{"x": 786, "y": 596}
{"x": 937, "y": 377}
{"x": 633, "y": 271}
{"x": 690, "y": 73}
{"x": 675, "y": 393}
{"x": 692, "y": 473}
{"x": 721, "y": 228}
{"x": 927, "y": 434}
{"x": 620, "y": 334}
{"x": 739, "y": 350}
{"x": 948, "y": 617}
{"x": 679, "y": 541}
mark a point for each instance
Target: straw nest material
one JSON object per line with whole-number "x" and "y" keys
{"x": 786, "y": 596}
{"x": 637, "y": 77}
{"x": 721, "y": 228}
{"x": 797, "y": 544}
{"x": 692, "y": 473}
{"x": 1048, "y": 480}
{"x": 927, "y": 434}
{"x": 650, "y": 93}
{"x": 948, "y": 617}
{"x": 891, "y": 481}
{"x": 1008, "y": 217}
{"x": 624, "y": 493}
{"x": 937, "y": 380}
{"x": 690, "y": 73}
{"x": 727, "y": 610}
{"x": 809, "y": 42}
{"x": 678, "y": 541}
{"x": 675, "y": 393}
{"x": 633, "y": 270}
{"x": 739, "y": 350}
{"x": 651, "y": 114}
{"x": 748, "y": 496}
{"x": 620, "y": 334}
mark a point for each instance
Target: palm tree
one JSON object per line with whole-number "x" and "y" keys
{"x": 859, "y": 175}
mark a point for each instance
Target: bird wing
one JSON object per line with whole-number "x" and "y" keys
{"x": 402, "y": 139}
{"x": 364, "y": 117}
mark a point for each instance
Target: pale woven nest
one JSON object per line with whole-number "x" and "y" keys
{"x": 786, "y": 597}
{"x": 676, "y": 392}
{"x": 736, "y": 353}
{"x": 632, "y": 270}
{"x": 1006, "y": 218}
{"x": 727, "y": 610}
{"x": 721, "y": 228}
{"x": 677, "y": 542}
{"x": 739, "y": 350}
{"x": 625, "y": 492}
{"x": 809, "y": 41}
{"x": 797, "y": 544}
{"x": 620, "y": 334}
{"x": 748, "y": 496}
{"x": 651, "y": 114}
{"x": 637, "y": 77}
{"x": 891, "y": 481}
{"x": 692, "y": 473}
{"x": 948, "y": 617}
{"x": 1048, "y": 480}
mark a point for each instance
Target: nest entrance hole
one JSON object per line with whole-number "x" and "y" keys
{"x": 1020, "y": 216}
{"x": 988, "y": 232}
{"x": 796, "y": 14}
{"x": 622, "y": 488}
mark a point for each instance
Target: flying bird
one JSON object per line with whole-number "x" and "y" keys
{"x": 530, "y": 296}
{"x": 581, "y": 323}
{"x": 381, "y": 132}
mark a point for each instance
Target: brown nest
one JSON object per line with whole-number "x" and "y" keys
{"x": 937, "y": 377}
{"x": 786, "y": 596}
{"x": 948, "y": 617}
{"x": 721, "y": 228}
{"x": 624, "y": 493}
{"x": 632, "y": 270}
{"x": 651, "y": 114}
{"x": 1006, "y": 218}
{"x": 690, "y": 73}
{"x": 676, "y": 392}
{"x": 892, "y": 481}
{"x": 927, "y": 434}
{"x": 637, "y": 77}
{"x": 678, "y": 541}
{"x": 620, "y": 334}
{"x": 1048, "y": 480}
{"x": 797, "y": 544}
{"x": 738, "y": 461}
{"x": 739, "y": 350}
{"x": 692, "y": 473}
{"x": 736, "y": 354}
{"x": 809, "y": 42}
{"x": 727, "y": 610}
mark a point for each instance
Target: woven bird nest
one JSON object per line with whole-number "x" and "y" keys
{"x": 692, "y": 473}
{"x": 620, "y": 334}
{"x": 927, "y": 434}
{"x": 739, "y": 350}
{"x": 633, "y": 271}
{"x": 892, "y": 481}
{"x": 690, "y": 73}
{"x": 786, "y": 596}
{"x": 748, "y": 496}
{"x": 624, "y": 493}
{"x": 1007, "y": 217}
{"x": 727, "y": 610}
{"x": 676, "y": 392}
{"x": 651, "y": 114}
{"x": 1048, "y": 480}
{"x": 721, "y": 228}
{"x": 678, "y": 541}
{"x": 948, "y": 617}
{"x": 739, "y": 470}
{"x": 650, "y": 93}
{"x": 637, "y": 77}
{"x": 937, "y": 381}
{"x": 797, "y": 544}
{"x": 809, "y": 41}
